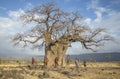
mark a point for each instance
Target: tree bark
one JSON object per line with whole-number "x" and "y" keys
{"x": 57, "y": 50}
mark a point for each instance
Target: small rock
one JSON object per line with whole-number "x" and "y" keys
{"x": 53, "y": 77}
{"x": 45, "y": 74}
{"x": 40, "y": 76}
{"x": 65, "y": 72}
{"x": 29, "y": 66}
{"x": 1, "y": 75}
{"x": 114, "y": 73}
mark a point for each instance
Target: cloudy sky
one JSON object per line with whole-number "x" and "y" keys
{"x": 97, "y": 13}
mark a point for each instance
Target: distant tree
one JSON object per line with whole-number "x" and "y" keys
{"x": 55, "y": 30}
{"x": 89, "y": 59}
{"x": 108, "y": 57}
{"x": 0, "y": 61}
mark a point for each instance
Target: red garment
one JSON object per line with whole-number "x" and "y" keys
{"x": 56, "y": 60}
{"x": 46, "y": 61}
{"x": 32, "y": 60}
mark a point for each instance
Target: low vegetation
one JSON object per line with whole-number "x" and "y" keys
{"x": 24, "y": 70}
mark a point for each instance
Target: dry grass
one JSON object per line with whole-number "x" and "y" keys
{"x": 94, "y": 70}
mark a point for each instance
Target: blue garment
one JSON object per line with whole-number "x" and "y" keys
{"x": 76, "y": 62}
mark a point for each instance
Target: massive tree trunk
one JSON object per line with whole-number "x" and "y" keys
{"x": 57, "y": 26}
{"x": 56, "y": 50}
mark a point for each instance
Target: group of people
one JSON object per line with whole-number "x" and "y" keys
{"x": 68, "y": 60}
{"x": 47, "y": 61}
{"x": 56, "y": 60}
{"x": 77, "y": 63}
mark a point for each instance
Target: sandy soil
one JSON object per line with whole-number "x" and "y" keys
{"x": 94, "y": 70}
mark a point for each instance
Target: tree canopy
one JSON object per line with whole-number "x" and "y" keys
{"x": 50, "y": 24}
{"x": 55, "y": 29}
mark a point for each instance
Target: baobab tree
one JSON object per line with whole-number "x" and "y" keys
{"x": 55, "y": 30}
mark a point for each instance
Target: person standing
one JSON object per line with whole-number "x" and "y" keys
{"x": 76, "y": 62}
{"x": 33, "y": 61}
{"x": 56, "y": 61}
{"x": 46, "y": 62}
{"x": 68, "y": 59}
{"x": 84, "y": 63}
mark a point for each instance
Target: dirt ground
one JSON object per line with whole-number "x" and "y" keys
{"x": 94, "y": 70}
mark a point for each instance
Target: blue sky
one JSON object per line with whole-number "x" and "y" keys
{"x": 97, "y": 13}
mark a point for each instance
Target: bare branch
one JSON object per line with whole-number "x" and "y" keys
{"x": 56, "y": 26}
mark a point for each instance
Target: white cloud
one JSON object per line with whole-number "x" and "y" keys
{"x": 5, "y": 22}
{"x": 93, "y": 4}
{"x": 88, "y": 21}
{"x": 98, "y": 10}
{"x": 110, "y": 21}
{"x": 16, "y": 14}
{"x": 9, "y": 26}
{"x": 99, "y": 16}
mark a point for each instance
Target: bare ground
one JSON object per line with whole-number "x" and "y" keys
{"x": 94, "y": 70}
